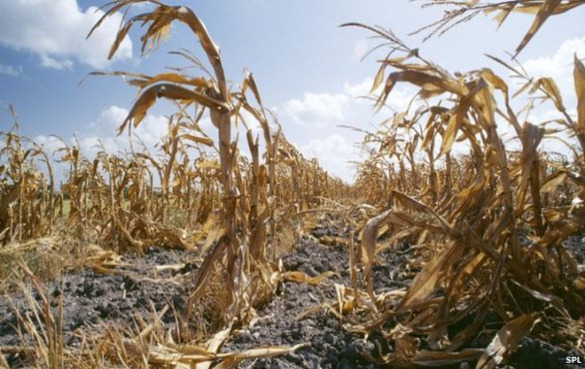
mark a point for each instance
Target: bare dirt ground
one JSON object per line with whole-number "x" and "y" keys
{"x": 295, "y": 315}
{"x": 92, "y": 299}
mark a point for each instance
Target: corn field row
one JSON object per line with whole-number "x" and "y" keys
{"x": 489, "y": 224}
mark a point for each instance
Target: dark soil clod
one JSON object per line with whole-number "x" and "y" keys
{"x": 90, "y": 298}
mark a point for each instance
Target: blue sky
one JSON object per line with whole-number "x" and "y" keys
{"x": 308, "y": 68}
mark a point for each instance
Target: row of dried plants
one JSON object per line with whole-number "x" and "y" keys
{"x": 198, "y": 192}
{"x": 487, "y": 215}
{"x": 460, "y": 176}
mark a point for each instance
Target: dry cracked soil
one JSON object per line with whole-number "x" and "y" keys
{"x": 293, "y": 316}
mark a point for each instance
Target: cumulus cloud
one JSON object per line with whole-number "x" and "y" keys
{"x": 334, "y": 153}
{"x": 320, "y": 114}
{"x": 55, "y": 30}
{"x": 317, "y": 109}
{"x": 315, "y": 119}
{"x": 102, "y": 134}
{"x": 103, "y": 131}
{"x": 347, "y": 106}
{"x": 49, "y": 143}
{"x": 558, "y": 64}
{"x": 11, "y": 70}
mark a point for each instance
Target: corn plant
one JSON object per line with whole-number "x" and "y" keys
{"x": 499, "y": 199}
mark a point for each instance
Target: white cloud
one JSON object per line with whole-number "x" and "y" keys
{"x": 49, "y": 143}
{"x": 346, "y": 107}
{"x": 55, "y": 30}
{"x": 317, "y": 110}
{"x": 105, "y": 129}
{"x": 316, "y": 118}
{"x": 11, "y": 70}
{"x": 318, "y": 115}
{"x": 358, "y": 89}
{"x": 334, "y": 153}
{"x": 48, "y": 62}
{"x": 558, "y": 65}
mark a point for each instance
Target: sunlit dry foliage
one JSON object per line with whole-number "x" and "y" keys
{"x": 494, "y": 219}
{"x": 198, "y": 192}
{"x": 460, "y": 11}
{"x": 487, "y": 214}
